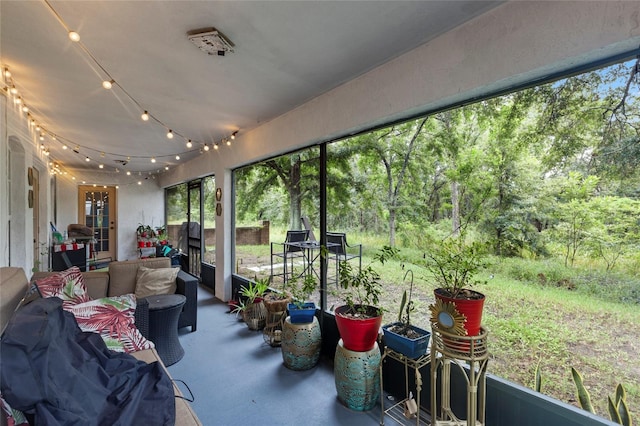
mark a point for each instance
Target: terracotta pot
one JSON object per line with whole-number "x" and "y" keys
{"x": 470, "y": 308}
{"x": 358, "y": 334}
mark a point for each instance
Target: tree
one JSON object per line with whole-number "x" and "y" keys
{"x": 393, "y": 148}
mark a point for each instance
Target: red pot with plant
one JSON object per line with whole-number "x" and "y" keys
{"x": 454, "y": 264}
{"x": 358, "y": 326}
{"x": 359, "y": 320}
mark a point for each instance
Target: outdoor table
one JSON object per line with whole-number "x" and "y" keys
{"x": 310, "y": 252}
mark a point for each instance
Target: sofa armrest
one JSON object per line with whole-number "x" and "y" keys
{"x": 187, "y": 285}
{"x": 142, "y": 316}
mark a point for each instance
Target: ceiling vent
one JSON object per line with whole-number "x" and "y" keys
{"x": 211, "y": 41}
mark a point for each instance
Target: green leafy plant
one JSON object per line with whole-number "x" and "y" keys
{"x": 254, "y": 291}
{"x": 302, "y": 289}
{"x": 454, "y": 264}
{"x": 618, "y": 410}
{"x": 362, "y": 289}
{"x": 406, "y": 304}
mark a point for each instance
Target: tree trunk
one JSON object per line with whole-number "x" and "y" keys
{"x": 295, "y": 206}
{"x": 455, "y": 208}
{"x": 392, "y": 227}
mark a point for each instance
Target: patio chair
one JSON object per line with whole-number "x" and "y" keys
{"x": 307, "y": 225}
{"x": 339, "y": 250}
{"x": 286, "y": 252}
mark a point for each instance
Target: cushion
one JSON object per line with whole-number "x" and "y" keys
{"x": 151, "y": 281}
{"x": 113, "y": 318}
{"x": 14, "y": 417}
{"x": 67, "y": 285}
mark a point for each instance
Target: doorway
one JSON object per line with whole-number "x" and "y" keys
{"x": 97, "y": 210}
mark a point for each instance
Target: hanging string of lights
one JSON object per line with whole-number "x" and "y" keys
{"x": 91, "y": 154}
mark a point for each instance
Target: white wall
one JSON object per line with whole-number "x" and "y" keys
{"x": 137, "y": 204}
{"x": 511, "y": 44}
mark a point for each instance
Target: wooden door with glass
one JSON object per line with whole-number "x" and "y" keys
{"x": 97, "y": 210}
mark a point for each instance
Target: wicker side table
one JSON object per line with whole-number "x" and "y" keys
{"x": 164, "y": 313}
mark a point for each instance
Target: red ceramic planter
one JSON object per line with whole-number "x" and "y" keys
{"x": 471, "y": 309}
{"x": 358, "y": 334}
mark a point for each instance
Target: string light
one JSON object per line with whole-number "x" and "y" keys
{"x": 108, "y": 83}
{"x": 215, "y": 146}
{"x": 228, "y": 142}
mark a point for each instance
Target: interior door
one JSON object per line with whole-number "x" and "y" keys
{"x": 97, "y": 210}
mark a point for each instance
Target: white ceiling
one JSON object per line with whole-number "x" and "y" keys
{"x": 286, "y": 53}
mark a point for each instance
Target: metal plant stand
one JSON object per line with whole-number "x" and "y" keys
{"x": 397, "y": 411}
{"x": 447, "y": 349}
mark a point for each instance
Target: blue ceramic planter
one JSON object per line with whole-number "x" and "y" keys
{"x": 412, "y": 348}
{"x": 302, "y": 315}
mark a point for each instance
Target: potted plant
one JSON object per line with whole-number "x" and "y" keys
{"x": 161, "y": 234}
{"x": 402, "y": 336}
{"x": 454, "y": 265}
{"x": 301, "y": 310}
{"x": 301, "y": 334}
{"x": 253, "y": 310}
{"x": 275, "y": 303}
{"x": 359, "y": 319}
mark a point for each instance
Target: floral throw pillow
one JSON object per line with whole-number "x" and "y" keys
{"x": 114, "y": 319}
{"x": 67, "y": 285}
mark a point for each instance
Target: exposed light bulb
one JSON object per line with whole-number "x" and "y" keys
{"x": 18, "y": 101}
{"x": 41, "y": 146}
{"x": 170, "y": 134}
{"x": 41, "y": 137}
{"x": 166, "y": 167}
{"x": 74, "y": 36}
{"x": 215, "y": 146}
{"x": 101, "y": 166}
{"x": 128, "y": 173}
{"x": 87, "y": 159}
{"x": 233, "y": 135}
{"x": 117, "y": 186}
{"x": 25, "y": 108}
{"x": 37, "y": 128}
{"x": 73, "y": 178}
{"x": 13, "y": 90}
{"x": 139, "y": 182}
{"x": 153, "y": 159}
{"x": 228, "y": 142}
{"x": 206, "y": 147}
{"x": 189, "y": 144}
{"x": 145, "y": 116}
{"x": 7, "y": 73}
{"x": 64, "y": 147}
{"x": 108, "y": 84}
{"x": 177, "y": 157}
